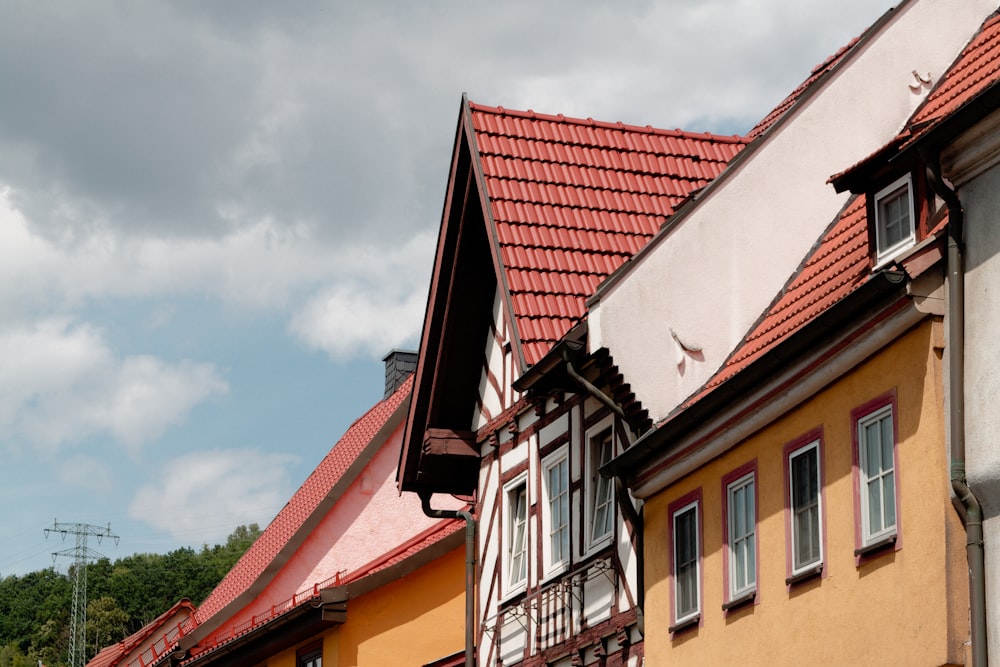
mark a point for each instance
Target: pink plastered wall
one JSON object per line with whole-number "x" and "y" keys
{"x": 369, "y": 520}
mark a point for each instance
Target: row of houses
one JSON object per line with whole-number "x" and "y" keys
{"x": 680, "y": 398}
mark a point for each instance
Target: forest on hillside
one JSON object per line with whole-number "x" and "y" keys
{"x": 122, "y": 597}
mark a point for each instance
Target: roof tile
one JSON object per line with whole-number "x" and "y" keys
{"x": 976, "y": 68}
{"x": 572, "y": 199}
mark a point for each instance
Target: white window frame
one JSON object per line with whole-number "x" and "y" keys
{"x": 511, "y": 524}
{"x": 747, "y": 541}
{"x": 681, "y": 617}
{"x": 595, "y": 483}
{"x": 554, "y": 562}
{"x": 816, "y": 561}
{"x": 886, "y": 194}
{"x": 883, "y": 415}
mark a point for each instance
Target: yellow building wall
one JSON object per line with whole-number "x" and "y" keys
{"x": 904, "y": 607}
{"x": 406, "y": 623}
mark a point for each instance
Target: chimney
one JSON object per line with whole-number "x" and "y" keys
{"x": 399, "y": 365}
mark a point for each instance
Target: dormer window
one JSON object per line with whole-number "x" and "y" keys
{"x": 894, "y": 219}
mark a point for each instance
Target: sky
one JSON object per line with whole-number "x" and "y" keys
{"x": 217, "y": 218}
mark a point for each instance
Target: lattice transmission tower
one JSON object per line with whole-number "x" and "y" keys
{"x": 81, "y": 555}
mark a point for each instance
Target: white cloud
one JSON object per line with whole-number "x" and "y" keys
{"x": 346, "y": 319}
{"x": 204, "y": 495}
{"x": 264, "y": 265}
{"x": 60, "y": 383}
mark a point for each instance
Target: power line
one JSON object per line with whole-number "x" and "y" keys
{"x": 81, "y": 554}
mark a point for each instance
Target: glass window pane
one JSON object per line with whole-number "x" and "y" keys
{"x": 601, "y": 507}
{"x": 739, "y": 512}
{"x": 872, "y": 450}
{"x": 887, "y": 442}
{"x": 804, "y": 470}
{"x": 889, "y": 493}
{"x": 874, "y": 506}
{"x": 686, "y": 562}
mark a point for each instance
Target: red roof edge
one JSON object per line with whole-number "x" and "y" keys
{"x": 590, "y": 122}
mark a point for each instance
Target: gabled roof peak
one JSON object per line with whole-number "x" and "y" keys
{"x": 607, "y": 125}
{"x": 569, "y": 200}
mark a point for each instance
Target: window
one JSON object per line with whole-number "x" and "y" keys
{"x": 310, "y": 656}
{"x": 894, "y": 228}
{"x": 741, "y": 531}
{"x": 686, "y": 556}
{"x": 601, "y": 506}
{"x": 517, "y": 537}
{"x": 556, "y": 517}
{"x": 805, "y": 509}
{"x": 876, "y": 476}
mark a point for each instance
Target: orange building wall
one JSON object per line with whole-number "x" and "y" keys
{"x": 904, "y": 607}
{"x": 406, "y": 623}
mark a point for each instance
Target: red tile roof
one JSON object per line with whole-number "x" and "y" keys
{"x": 114, "y": 654}
{"x": 976, "y": 69}
{"x": 573, "y": 199}
{"x": 305, "y": 501}
{"x": 836, "y": 266}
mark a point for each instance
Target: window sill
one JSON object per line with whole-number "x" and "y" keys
{"x": 686, "y": 624}
{"x": 804, "y": 575}
{"x": 742, "y": 600}
{"x": 592, "y": 548}
{"x": 512, "y": 594}
{"x": 882, "y": 544}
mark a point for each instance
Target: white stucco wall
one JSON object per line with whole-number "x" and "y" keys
{"x": 712, "y": 276}
{"x": 973, "y": 164}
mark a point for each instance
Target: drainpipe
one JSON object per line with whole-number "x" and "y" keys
{"x": 591, "y": 389}
{"x": 470, "y": 569}
{"x": 956, "y": 422}
{"x": 624, "y": 500}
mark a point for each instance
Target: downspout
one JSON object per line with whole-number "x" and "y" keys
{"x": 624, "y": 500}
{"x": 470, "y": 569}
{"x": 956, "y": 418}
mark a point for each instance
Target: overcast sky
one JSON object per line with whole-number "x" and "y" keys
{"x": 217, "y": 217}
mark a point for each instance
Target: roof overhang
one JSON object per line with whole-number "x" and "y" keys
{"x": 439, "y": 453}
{"x": 550, "y": 371}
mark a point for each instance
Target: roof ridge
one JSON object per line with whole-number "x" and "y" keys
{"x": 608, "y": 125}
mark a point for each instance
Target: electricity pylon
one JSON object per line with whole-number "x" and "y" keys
{"x": 81, "y": 554}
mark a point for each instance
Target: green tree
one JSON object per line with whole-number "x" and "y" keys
{"x": 106, "y": 622}
{"x": 124, "y": 596}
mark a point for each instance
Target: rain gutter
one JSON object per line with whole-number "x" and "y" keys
{"x": 470, "y": 568}
{"x": 975, "y": 552}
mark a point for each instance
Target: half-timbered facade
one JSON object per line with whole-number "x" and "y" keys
{"x": 509, "y": 409}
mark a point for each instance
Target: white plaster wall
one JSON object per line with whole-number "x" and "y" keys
{"x": 716, "y": 272}
{"x": 493, "y": 401}
{"x": 980, "y": 196}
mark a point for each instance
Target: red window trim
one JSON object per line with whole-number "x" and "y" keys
{"x": 694, "y": 496}
{"x": 747, "y": 468}
{"x": 863, "y": 553}
{"x": 815, "y": 435}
